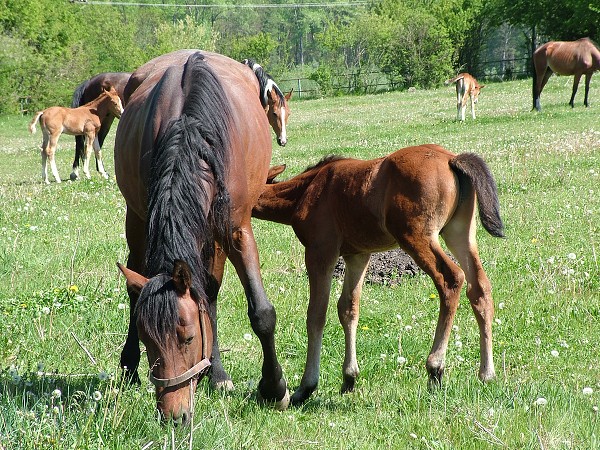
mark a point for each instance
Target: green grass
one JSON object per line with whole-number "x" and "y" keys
{"x": 59, "y": 285}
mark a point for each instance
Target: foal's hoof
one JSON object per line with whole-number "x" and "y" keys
{"x": 435, "y": 379}
{"x": 348, "y": 384}
{"x": 73, "y": 176}
{"x": 278, "y": 405}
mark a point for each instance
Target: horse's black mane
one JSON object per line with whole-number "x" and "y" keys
{"x": 263, "y": 80}
{"x": 183, "y": 220}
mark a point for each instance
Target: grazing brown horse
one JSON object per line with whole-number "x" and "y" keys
{"x": 84, "y": 121}
{"x": 467, "y": 88}
{"x": 86, "y": 92}
{"x": 577, "y": 58}
{"x": 352, "y": 208}
{"x": 273, "y": 100}
{"x": 192, "y": 153}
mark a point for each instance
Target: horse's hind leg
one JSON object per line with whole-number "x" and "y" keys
{"x": 588, "y": 78}
{"x": 243, "y": 254}
{"x": 44, "y": 154}
{"x": 448, "y": 280}
{"x": 348, "y": 312}
{"x": 459, "y": 236}
{"x": 576, "y": 79}
{"x": 89, "y": 147}
{"x": 50, "y": 153}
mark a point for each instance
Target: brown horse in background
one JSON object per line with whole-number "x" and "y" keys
{"x": 575, "y": 58}
{"x": 192, "y": 153}
{"x": 351, "y": 208}
{"x": 86, "y": 92}
{"x": 84, "y": 121}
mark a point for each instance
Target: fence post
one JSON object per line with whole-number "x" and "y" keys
{"x": 299, "y": 88}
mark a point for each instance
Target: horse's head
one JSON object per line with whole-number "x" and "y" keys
{"x": 115, "y": 106}
{"x": 278, "y": 112}
{"x": 174, "y": 325}
{"x": 476, "y": 89}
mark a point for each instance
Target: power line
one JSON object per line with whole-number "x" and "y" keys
{"x": 257, "y": 6}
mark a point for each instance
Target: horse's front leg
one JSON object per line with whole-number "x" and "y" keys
{"x": 99, "y": 163}
{"x": 319, "y": 265}
{"x": 472, "y": 107}
{"x": 219, "y": 379}
{"x": 243, "y": 254}
{"x": 348, "y": 312}
{"x": 130, "y": 355}
{"x": 44, "y": 153}
{"x": 89, "y": 137}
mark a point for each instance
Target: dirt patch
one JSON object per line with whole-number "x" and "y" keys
{"x": 385, "y": 267}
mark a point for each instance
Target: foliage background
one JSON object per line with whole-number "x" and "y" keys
{"x": 47, "y": 47}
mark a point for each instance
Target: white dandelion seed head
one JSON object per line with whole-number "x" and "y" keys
{"x": 97, "y": 396}
{"x": 121, "y": 306}
{"x": 554, "y": 353}
{"x": 587, "y": 391}
{"x": 572, "y": 256}
{"x": 401, "y": 360}
{"x": 103, "y": 376}
{"x": 408, "y": 328}
{"x": 247, "y": 337}
{"x": 46, "y": 310}
{"x": 540, "y": 401}
{"x": 458, "y": 344}
{"x": 56, "y": 393}
{"x": 501, "y": 305}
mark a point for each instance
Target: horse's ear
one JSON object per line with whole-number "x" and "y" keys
{"x": 289, "y": 94}
{"x": 135, "y": 281}
{"x": 482, "y": 86}
{"x": 273, "y": 172}
{"x": 182, "y": 276}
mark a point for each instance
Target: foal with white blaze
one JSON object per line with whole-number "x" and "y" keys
{"x": 466, "y": 87}
{"x": 274, "y": 102}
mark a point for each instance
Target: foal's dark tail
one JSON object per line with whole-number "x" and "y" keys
{"x": 473, "y": 172}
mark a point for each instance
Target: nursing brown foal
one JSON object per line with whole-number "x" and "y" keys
{"x": 352, "y": 208}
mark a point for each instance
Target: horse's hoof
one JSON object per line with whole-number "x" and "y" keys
{"x": 487, "y": 376}
{"x": 105, "y": 176}
{"x": 348, "y": 384}
{"x": 277, "y": 405}
{"x": 435, "y": 379}
{"x": 74, "y": 176}
{"x": 223, "y": 385}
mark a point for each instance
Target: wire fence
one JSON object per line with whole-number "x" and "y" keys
{"x": 376, "y": 81}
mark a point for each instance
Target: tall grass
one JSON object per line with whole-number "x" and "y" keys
{"x": 64, "y": 309}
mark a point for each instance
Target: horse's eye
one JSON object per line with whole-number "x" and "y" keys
{"x": 189, "y": 340}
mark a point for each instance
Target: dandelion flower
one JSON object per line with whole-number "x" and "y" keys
{"x": 97, "y": 396}
{"x": 554, "y": 353}
{"x": 74, "y": 288}
{"x": 247, "y": 337}
{"x": 401, "y": 360}
{"x": 571, "y": 256}
{"x": 587, "y": 391}
{"x": 56, "y": 393}
{"x": 46, "y": 310}
{"x": 103, "y": 376}
{"x": 540, "y": 401}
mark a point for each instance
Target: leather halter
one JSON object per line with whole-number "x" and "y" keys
{"x": 197, "y": 370}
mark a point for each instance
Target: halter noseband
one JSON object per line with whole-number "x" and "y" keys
{"x": 196, "y": 371}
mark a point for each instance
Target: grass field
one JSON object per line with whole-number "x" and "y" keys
{"x": 64, "y": 309}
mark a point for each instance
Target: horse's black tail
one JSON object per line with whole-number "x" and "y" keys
{"x": 189, "y": 204}
{"x": 473, "y": 173}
